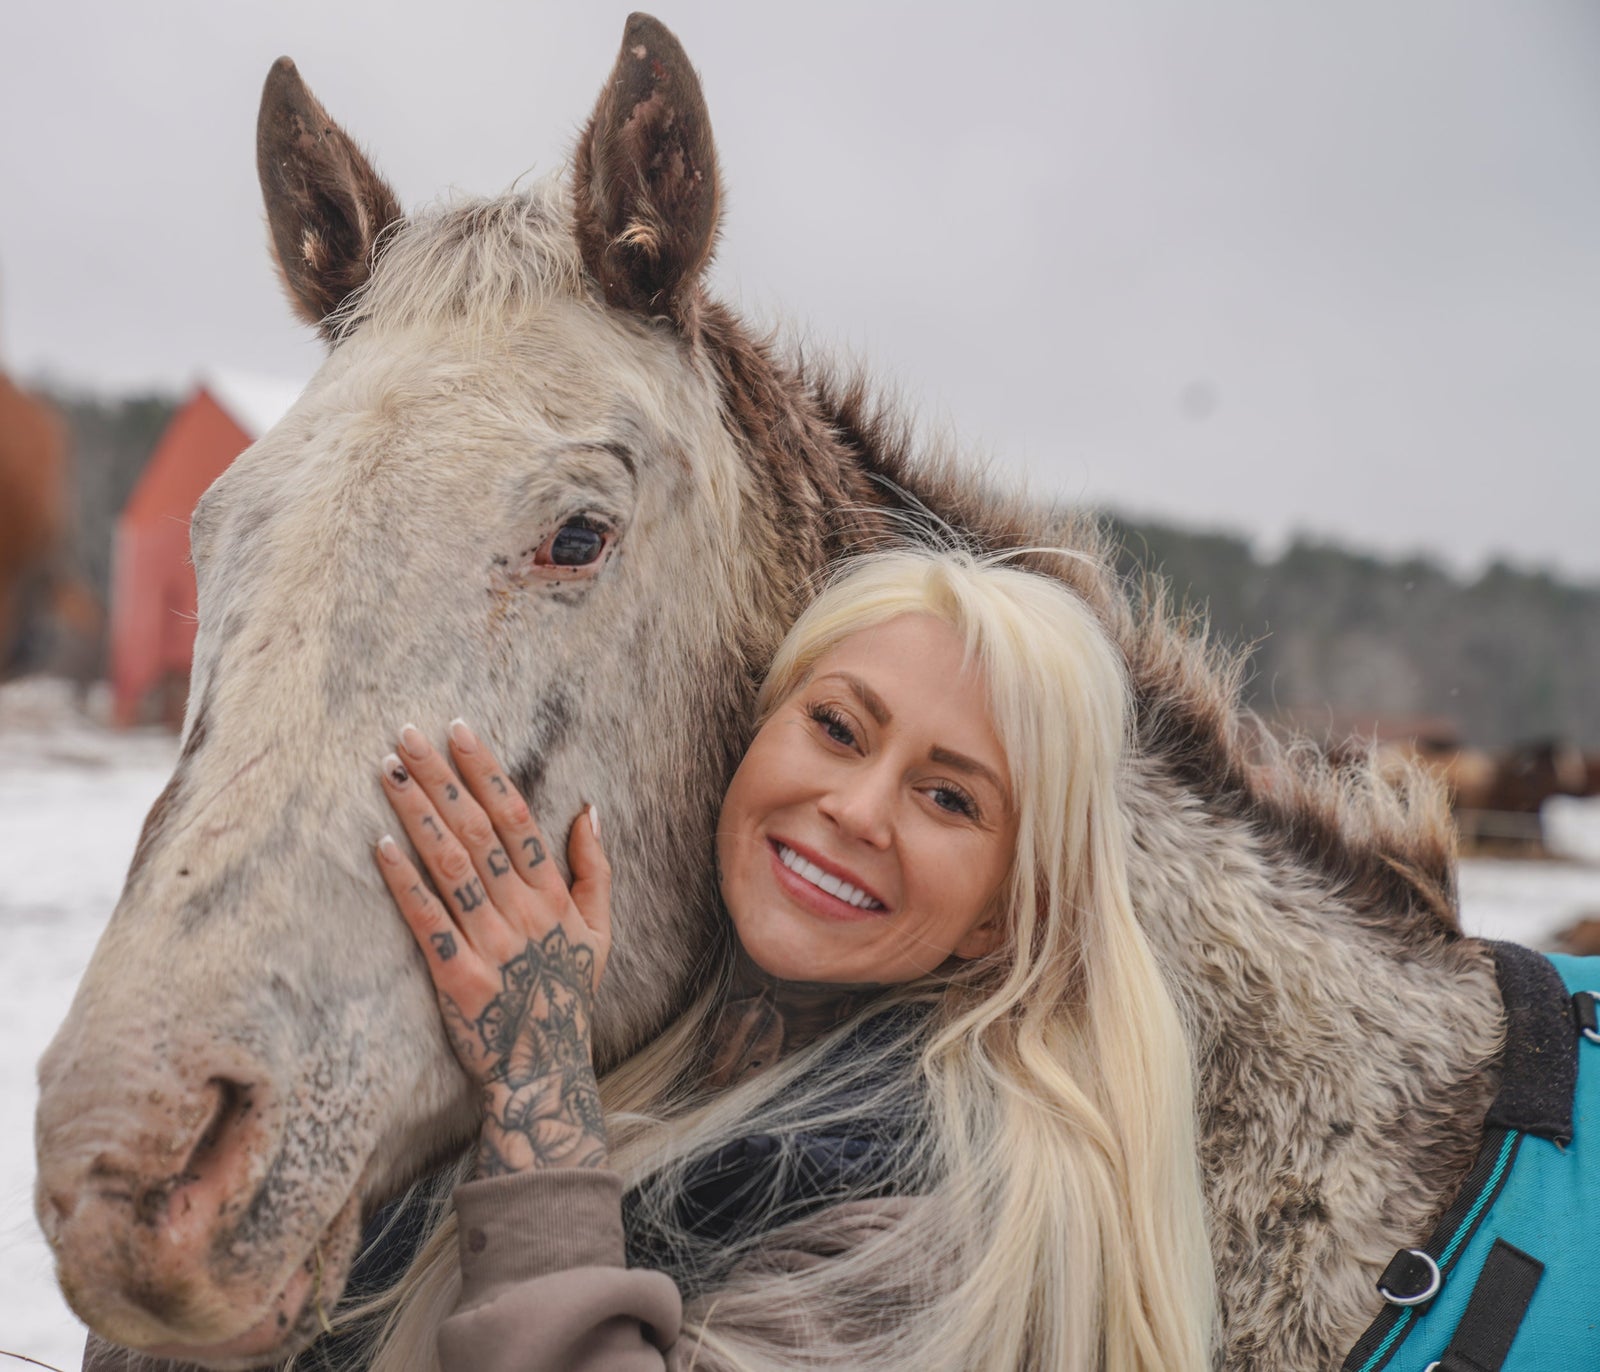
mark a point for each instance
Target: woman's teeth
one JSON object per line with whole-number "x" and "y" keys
{"x": 826, "y": 881}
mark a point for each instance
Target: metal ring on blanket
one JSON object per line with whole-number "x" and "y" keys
{"x": 1435, "y": 1281}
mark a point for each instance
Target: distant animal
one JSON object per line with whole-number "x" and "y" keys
{"x": 546, "y": 480}
{"x": 1499, "y": 798}
{"x": 1528, "y": 774}
{"x": 1581, "y": 939}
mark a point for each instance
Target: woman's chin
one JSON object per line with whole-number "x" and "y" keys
{"x": 787, "y": 954}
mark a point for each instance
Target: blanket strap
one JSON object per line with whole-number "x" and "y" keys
{"x": 1583, "y": 1010}
{"x": 1494, "y": 1313}
{"x": 1443, "y": 1249}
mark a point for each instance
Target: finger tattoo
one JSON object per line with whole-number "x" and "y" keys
{"x": 535, "y": 851}
{"x": 470, "y": 896}
{"x": 432, "y": 826}
{"x": 499, "y": 864}
{"x": 451, "y": 792}
{"x": 499, "y": 784}
{"x": 444, "y": 945}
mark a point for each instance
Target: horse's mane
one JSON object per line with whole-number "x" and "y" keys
{"x": 1384, "y": 842}
{"x": 835, "y": 456}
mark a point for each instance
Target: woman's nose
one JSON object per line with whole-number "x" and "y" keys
{"x": 862, "y": 806}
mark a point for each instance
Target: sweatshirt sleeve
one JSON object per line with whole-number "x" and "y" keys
{"x": 545, "y": 1287}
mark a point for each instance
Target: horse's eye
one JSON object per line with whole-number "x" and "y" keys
{"x": 577, "y": 543}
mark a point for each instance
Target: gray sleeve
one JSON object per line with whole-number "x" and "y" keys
{"x": 544, "y": 1285}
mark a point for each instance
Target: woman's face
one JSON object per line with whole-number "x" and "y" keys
{"x": 868, "y": 830}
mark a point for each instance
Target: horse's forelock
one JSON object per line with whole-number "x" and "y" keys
{"x": 474, "y": 262}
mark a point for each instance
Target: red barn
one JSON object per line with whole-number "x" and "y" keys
{"x": 152, "y": 583}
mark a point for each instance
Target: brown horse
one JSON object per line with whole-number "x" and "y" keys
{"x": 254, "y": 1059}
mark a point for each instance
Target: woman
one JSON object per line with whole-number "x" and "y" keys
{"x": 936, "y": 1112}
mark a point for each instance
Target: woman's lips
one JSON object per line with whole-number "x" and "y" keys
{"x": 812, "y": 897}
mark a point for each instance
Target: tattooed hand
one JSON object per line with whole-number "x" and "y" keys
{"x": 514, "y": 955}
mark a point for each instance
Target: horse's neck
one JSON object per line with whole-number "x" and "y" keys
{"x": 1343, "y": 1074}
{"x": 1346, "y": 1055}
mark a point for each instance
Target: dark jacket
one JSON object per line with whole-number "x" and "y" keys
{"x": 561, "y": 1270}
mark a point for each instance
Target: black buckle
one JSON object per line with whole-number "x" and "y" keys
{"x": 1583, "y": 1010}
{"x": 1411, "y": 1278}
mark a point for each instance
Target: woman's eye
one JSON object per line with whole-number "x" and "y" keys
{"x": 577, "y": 543}
{"x": 955, "y": 801}
{"x": 835, "y": 725}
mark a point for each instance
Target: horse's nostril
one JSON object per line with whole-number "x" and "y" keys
{"x": 210, "y": 1160}
{"x": 231, "y": 1104}
{"x": 223, "y": 1094}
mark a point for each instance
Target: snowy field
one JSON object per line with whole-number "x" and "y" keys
{"x": 72, "y": 797}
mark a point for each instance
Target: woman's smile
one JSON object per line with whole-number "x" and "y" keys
{"x": 821, "y": 886}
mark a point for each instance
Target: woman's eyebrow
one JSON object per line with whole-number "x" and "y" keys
{"x": 873, "y": 702}
{"x": 962, "y": 763}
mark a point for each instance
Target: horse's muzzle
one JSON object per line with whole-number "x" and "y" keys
{"x": 160, "y": 1201}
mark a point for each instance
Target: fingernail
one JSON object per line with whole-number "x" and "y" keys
{"x": 388, "y": 849}
{"x": 462, "y": 737}
{"x": 594, "y": 822}
{"x": 396, "y": 770}
{"x": 412, "y": 741}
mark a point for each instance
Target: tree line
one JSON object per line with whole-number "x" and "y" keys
{"x": 1508, "y": 656}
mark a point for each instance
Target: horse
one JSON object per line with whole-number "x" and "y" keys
{"x": 1527, "y": 774}
{"x": 1499, "y": 797}
{"x": 254, "y": 1060}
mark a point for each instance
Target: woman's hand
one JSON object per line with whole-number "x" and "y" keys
{"x": 514, "y": 955}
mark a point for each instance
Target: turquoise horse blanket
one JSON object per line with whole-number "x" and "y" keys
{"x": 1510, "y": 1279}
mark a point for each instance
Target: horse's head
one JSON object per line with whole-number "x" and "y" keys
{"x": 510, "y": 493}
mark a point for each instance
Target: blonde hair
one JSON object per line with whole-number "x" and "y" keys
{"x": 1056, "y": 1218}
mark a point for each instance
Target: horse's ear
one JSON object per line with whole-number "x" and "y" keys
{"x": 645, "y": 178}
{"x": 326, "y": 206}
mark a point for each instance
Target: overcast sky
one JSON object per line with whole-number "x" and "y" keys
{"x": 1329, "y": 266}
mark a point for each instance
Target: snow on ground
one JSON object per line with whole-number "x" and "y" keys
{"x": 72, "y": 798}
{"x": 1527, "y": 902}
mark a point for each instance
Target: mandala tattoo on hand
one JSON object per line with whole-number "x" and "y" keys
{"x": 542, "y": 1107}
